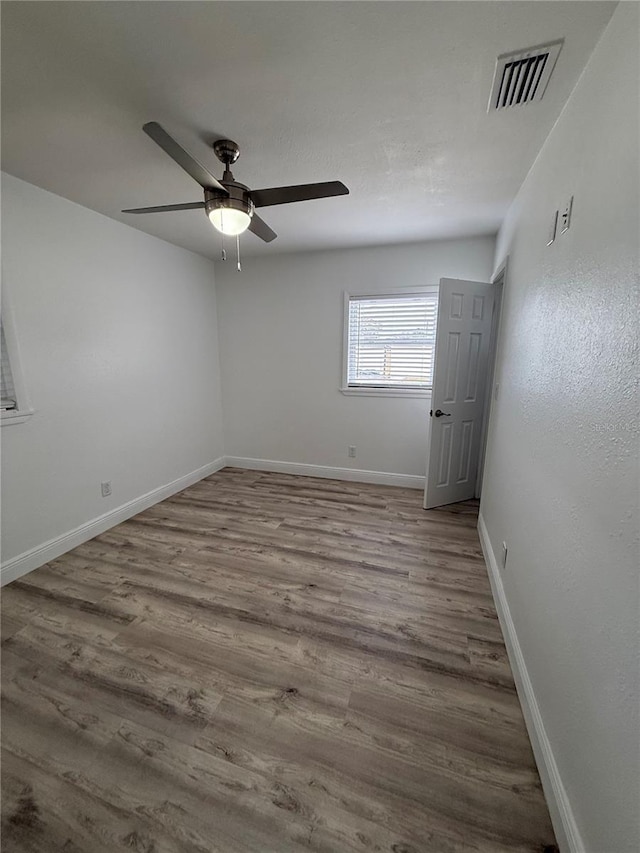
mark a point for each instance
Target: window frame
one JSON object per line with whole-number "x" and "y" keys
{"x": 23, "y": 410}
{"x": 372, "y": 391}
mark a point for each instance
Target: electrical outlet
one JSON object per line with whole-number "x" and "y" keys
{"x": 352, "y": 451}
{"x": 504, "y": 555}
{"x": 105, "y": 488}
{"x": 565, "y": 216}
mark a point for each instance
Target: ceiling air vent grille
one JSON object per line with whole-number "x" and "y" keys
{"x": 522, "y": 76}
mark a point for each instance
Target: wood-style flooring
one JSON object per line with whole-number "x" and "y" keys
{"x": 266, "y": 663}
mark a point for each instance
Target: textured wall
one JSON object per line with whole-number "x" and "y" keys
{"x": 117, "y": 333}
{"x": 281, "y": 343}
{"x": 561, "y": 480}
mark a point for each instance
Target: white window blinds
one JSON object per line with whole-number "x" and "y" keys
{"x": 391, "y": 341}
{"x": 7, "y": 390}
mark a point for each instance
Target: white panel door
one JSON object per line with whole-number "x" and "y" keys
{"x": 465, "y": 314}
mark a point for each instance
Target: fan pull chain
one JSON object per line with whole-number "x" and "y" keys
{"x": 238, "y": 252}
{"x": 224, "y": 251}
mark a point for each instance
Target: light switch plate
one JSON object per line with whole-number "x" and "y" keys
{"x": 565, "y": 216}
{"x": 552, "y": 229}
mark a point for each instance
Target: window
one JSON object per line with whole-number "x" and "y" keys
{"x": 8, "y": 401}
{"x": 14, "y": 407}
{"x": 390, "y": 342}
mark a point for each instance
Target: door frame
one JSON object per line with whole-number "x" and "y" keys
{"x": 498, "y": 280}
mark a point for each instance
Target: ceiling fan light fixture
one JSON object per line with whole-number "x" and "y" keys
{"x": 230, "y": 205}
{"x": 229, "y": 216}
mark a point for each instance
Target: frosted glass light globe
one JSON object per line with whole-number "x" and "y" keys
{"x": 229, "y": 220}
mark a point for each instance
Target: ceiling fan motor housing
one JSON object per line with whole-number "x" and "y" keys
{"x": 238, "y": 199}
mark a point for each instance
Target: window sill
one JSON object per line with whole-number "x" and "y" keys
{"x": 15, "y": 417}
{"x": 386, "y": 392}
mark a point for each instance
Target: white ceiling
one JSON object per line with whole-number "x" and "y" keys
{"x": 389, "y": 97}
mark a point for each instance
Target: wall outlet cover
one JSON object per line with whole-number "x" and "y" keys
{"x": 105, "y": 488}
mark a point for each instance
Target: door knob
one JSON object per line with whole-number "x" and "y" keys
{"x": 439, "y": 414}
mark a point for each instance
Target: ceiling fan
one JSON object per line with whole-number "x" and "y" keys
{"x": 230, "y": 205}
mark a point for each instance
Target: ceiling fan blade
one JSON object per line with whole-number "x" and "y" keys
{"x": 260, "y": 228}
{"x": 302, "y": 192}
{"x": 164, "y": 208}
{"x": 182, "y": 157}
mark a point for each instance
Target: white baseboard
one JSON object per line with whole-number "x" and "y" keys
{"x": 41, "y": 554}
{"x": 407, "y": 481}
{"x": 564, "y": 824}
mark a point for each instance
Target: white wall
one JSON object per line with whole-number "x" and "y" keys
{"x": 281, "y": 341}
{"x": 561, "y": 479}
{"x": 118, "y": 339}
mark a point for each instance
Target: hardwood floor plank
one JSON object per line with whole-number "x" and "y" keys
{"x": 269, "y": 663}
{"x": 49, "y": 813}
